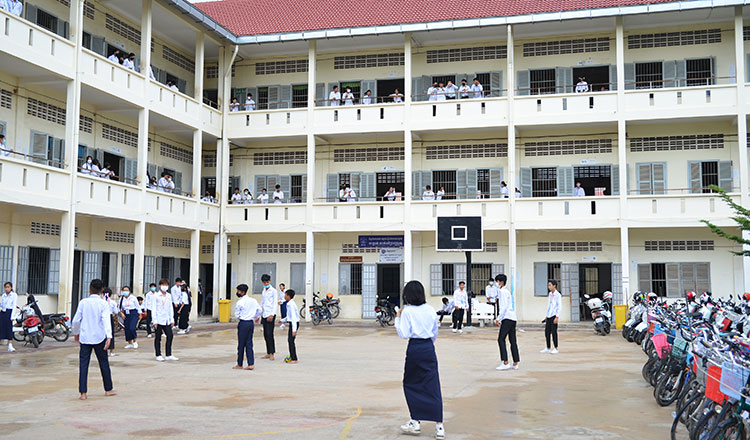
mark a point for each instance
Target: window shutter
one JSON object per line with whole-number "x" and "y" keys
{"x": 286, "y": 186}
{"x": 260, "y": 183}
{"x": 368, "y": 188}
{"x": 713, "y": 71}
{"x": 617, "y": 283}
{"x": 53, "y": 272}
{"x": 615, "y": 174}
{"x": 6, "y": 263}
{"x": 332, "y": 187}
{"x": 39, "y": 146}
{"x": 565, "y": 182}
{"x": 22, "y": 271}
{"x": 680, "y": 73}
{"x": 687, "y": 277}
{"x": 427, "y": 180}
{"x": 526, "y": 182}
{"x": 703, "y": 277}
{"x": 644, "y": 277}
{"x": 561, "y": 79}
{"x": 286, "y": 97}
{"x": 113, "y": 271}
{"x": 160, "y": 270}
{"x": 459, "y": 274}
{"x": 471, "y": 184}
{"x": 417, "y": 88}
{"x": 320, "y": 94}
{"x": 131, "y": 171}
{"x": 30, "y": 12}
{"x": 569, "y": 283}
{"x": 524, "y": 83}
{"x": 370, "y": 85}
{"x": 669, "y": 73}
{"x": 497, "y": 269}
{"x": 643, "y": 177}
{"x": 355, "y": 179}
{"x": 612, "y": 77}
{"x": 58, "y": 153}
{"x": 629, "y": 76}
{"x": 127, "y": 267}
{"x": 181, "y": 85}
{"x": 540, "y": 279}
{"x": 304, "y": 188}
{"x": 274, "y": 95}
{"x": 92, "y": 269}
{"x": 62, "y": 28}
{"x": 369, "y": 290}
{"x": 461, "y": 190}
{"x": 98, "y": 45}
{"x": 436, "y": 279}
{"x": 694, "y": 177}
{"x": 149, "y": 271}
{"x": 416, "y": 185}
{"x": 271, "y": 181}
{"x": 345, "y": 279}
{"x": 177, "y": 182}
{"x": 673, "y": 280}
{"x": 659, "y": 177}
{"x": 161, "y": 76}
{"x": 496, "y": 84}
{"x": 726, "y": 181}
{"x": 152, "y": 171}
{"x": 496, "y": 176}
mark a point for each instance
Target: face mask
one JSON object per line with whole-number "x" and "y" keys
{"x": 125, "y": 293}
{"x": 89, "y": 161}
{"x": 267, "y": 287}
{"x": 239, "y": 295}
{"x": 153, "y": 289}
{"x": 492, "y": 283}
{"x": 163, "y": 288}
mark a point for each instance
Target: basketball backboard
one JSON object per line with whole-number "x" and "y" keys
{"x": 459, "y": 234}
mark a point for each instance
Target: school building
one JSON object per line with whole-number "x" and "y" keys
{"x": 662, "y": 117}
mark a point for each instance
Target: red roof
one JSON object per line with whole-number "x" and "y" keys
{"x": 253, "y": 17}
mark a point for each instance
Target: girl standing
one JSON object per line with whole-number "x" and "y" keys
{"x": 553, "y": 316}
{"x": 418, "y": 323}
{"x": 8, "y": 303}
{"x": 129, "y": 310}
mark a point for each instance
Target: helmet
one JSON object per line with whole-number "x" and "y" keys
{"x": 690, "y": 295}
{"x": 746, "y": 296}
{"x": 607, "y": 295}
{"x": 652, "y": 297}
{"x": 329, "y": 295}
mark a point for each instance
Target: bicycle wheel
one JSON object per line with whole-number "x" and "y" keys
{"x": 731, "y": 428}
{"x": 681, "y": 430}
{"x": 668, "y": 389}
{"x": 705, "y": 423}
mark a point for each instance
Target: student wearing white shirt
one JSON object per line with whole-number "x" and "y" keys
{"x": 282, "y": 305}
{"x": 109, "y": 298}
{"x": 176, "y": 294}
{"x": 397, "y": 96}
{"x": 151, "y": 73}
{"x": 518, "y": 193}
{"x": 268, "y": 303}
{"x": 507, "y": 318}
{"x": 446, "y": 309}
{"x": 552, "y": 317}
{"x": 292, "y": 317}
{"x": 418, "y": 323}
{"x": 390, "y": 195}
{"x": 247, "y": 197}
{"x": 93, "y": 330}
{"x": 578, "y": 191}
{"x": 4, "y": 149}
{"x": 461, "y": 301}
{"x": 441, "y": 92}
{"x": 440, "y": 194}
{"x": 208, "y": 198}
{"x": 367, "y": 99}
{"x": 172, "y": 86}
{"x": 504, "y": 192}
{"x": 88, "y": 167}
{"x": 450, "y": 90}
{"x": 428, "y": 194}
{"x": 582, "y": 86}
{"x": 349, "y": 194}
{"x": 278, "y": 193}
{"x": 490, "y": 292}
{"x": 165, "y": 183}
{"x": 234, "y": 106}
{"x": 184, "y": 311}
{"x": 15, "y": 7}
{"x": 249, "y": 103}
{"x": 115, "y": 56}
{"x": 236, "y": 198}
{"x": 8, "y": 314}
{"x": 130, "y": 61}
{"x": 129, "y": 311}
{"x": 463, "y": 91}
{"x": 263, "y": 197}
{"x": 334, "y": 98}
{"x": 247, "y": 311}
{"x": 163, "y": 316}
{"x": 433, "y": 92}
{"x": 148, "y": 305}
{"x": 348, "y": 97}
{"x": 476, "y": 89}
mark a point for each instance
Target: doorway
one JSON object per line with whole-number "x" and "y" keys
{"x": 596, "y": 76}
{"x": 594, "y": 176}
{"x": 184, "y": 270}
{"x": 117, "y": 164}
{"x": 207, "y": 281}
{"x": 387, "y": 86}
{"x": 297, "y": 278}
{"x": 386, "y": 180}
{"x": 76, "y": 284}
{"x": 595, "y": 279}
{"x": 389, "y": 282}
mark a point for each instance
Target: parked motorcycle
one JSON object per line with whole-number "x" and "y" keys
{"x": 320, "y": 313}
{"x": 601, "y": 312}
{"x": 56, "y": 325}
{"x": 29, "y": 328}
{"x": 385, "y": 312}
{"x": 333, "y": 305}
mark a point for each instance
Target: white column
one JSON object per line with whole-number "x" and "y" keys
{"x": 200, "y": 45}
{"x": 220, "y": 276}
{"x": 311, "y": 81}
{"x": 197, "y": 165}
{"x": 409, "y": 257}
{"x": 139, "y": 255}
{"x": 625, "y": 259}
{"x": 408, "y": 161}
{"x": 512, "y": 271}
{"x": 744, "y": 183}
{"x": 622, "y": 159}
{"x": 146, "y": 26}
{"x": 309, "y": 269}
{"x": 195, "y": 264}
{"x": 222, "y": 156}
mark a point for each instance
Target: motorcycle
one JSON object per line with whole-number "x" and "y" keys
{"x": 601, "y": 312}
{"x": 333, "y": 305}
{"x": 29, "y": 328}
{"x": 56, "y": 325}
{"x": 385, "y": 312}
{"x": 319, "y": 313}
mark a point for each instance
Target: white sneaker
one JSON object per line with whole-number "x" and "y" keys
{"x": 460, "y": 331}
{"x": 181, "y": 332}
{"x": 504, "y": 367}
{"x": 454, "y": 330}
{"x": 112, "y": 354}
{"x": 172, "y": 358}
{"x": 150, "y": 335}
{"x": 10, "y": 348}
{"x": 546, "y": 350}
{"x": 439, "y": 432}
{"x": 515, "y": 367}
{"x": 135, "y": 345}
{"x": 188, "y": 329}
{"x": 128, "y": 346}
{"x": 412, "y": 427}
{"x": 160, "y": 358}
{"x": 554, "y": 351}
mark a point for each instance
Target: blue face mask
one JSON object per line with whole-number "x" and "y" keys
{"x": 153, "y": 289}
{"x": 492, "y": 283}
{"x": 267, "y": 286}
{"x": 126, "y": 294}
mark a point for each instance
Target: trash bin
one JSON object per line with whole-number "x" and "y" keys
{"x": 621, "y": 315}
{"x": 225, "y": 308}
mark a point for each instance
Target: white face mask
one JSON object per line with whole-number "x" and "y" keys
{"x": 89, "y": 161}
{"x": 163, "y": 288}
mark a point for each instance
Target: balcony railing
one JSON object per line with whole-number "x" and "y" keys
{"x": 174, "y": 104}
{"x": 112, "y": 78}
{"x": 36, "y": 45}
{"x": 34, "y": 184}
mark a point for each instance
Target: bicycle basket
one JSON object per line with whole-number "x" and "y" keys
{"x": 713, "y": 384}
{"x": 733, "y": 380}
{"x": 679, "y": 348}
{"x": 660, "y": 343}
{"x": 701, "y": 374}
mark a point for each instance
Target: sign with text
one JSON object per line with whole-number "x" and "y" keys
{"x": 392, "y": 255}
{"x": 381, "y": 241}
{"x": 350, "y": 259}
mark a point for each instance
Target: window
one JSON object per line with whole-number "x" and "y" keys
{"x": 476, "y": 151}
{"x": 466, "y": 54}
{"x": 369, "y": 60}
{"x": 6, "y": 99}
{"x": 356, "y": 87}
{"x": 262, "y": 101}
{"x": 276, "y": 158}
{"x": 444, "y": 79}
{"x": 709, "y": 175}
{"x": 449, "y": 280}
{"x": 280, "y": 248}
{"x": 542, "y": 81}
{"x": 176, "y": 153}
{"x": 119, "y": 237}
{"x": 296, "y": 189}
{"x": 38, "y": 270}
{"x": 569, "y": 246}
{"x": 299, "y": 96}
{"x": 278, "y": 67}
{"x": 377, "y": 154}
{"x": 212, "y": 71}
{"x": 664, "y": 39}
{"x": 483, "y": 182}
{"x": 484, "y": 79}
{"x": 676, "y": 143}
{"x": 649, "y": 75}
{"x": 573, "y": 146}
{"x": 122, "y": 29}
{"x": 350, "y": 278}
{"x": 390, "y": 178}
{"x": 446, "y": 179}
{"x": 116, "y": 134}
{"x": 679, "y": 245}
{"x": 699, "y": 72}
{"x": 544, "y": 182}
{"x": 46, "y": 20}
{"x": 178, "y": 59}
{"x": 674, "y": 279}
{"x": 480, "y": 273}
{"x": 564, "y": 47}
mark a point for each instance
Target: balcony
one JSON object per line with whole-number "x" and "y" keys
{"x": 112, "y": 78}
{"x": 264, "y": 123}
{"x": 370, "y": 216}
{"x": 494, "y": 212}
{"x": 462, "y": 113}
{"x": 565, "y": 108}
{"x": 32, "y": 184}
{"x": 359, "y": 118}
{"x": 175, "y": 105}
{"x": 35, "y": 45}
{"x": 568, "y": 213}
{"x": 97, "y": 196}
{"x": 288, "y": 217}
{"x": 677, "y": 102}
{"x": 211, "y": 119}
{"x": 678, "y": 210}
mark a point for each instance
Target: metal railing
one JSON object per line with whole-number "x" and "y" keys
{"x": 678, "y": 191}
{"x": 35, "y": 158}
{"x": 104, "y": 175}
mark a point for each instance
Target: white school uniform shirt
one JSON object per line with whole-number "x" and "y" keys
{"x": 15, "y": 7}
{"x": 450, "y": 91}
{"x": 236, "y": 199}
{"x": 440, "y": 195}
{"x": 417, "y": 322}
{"x": 249, "y": 104}
{"x": 433, "y": 91}
{"x": 367, "y": 100}
{"x": 553, "y": 306}
{"x": 397, "y": 97}
{"x": 334, "y": 98}
{"x": 351, "y": 195}
{"x": 4, "y": 150}
{"x": 176, "y": 293}
{"x": 463, "y": 91}
{"x": 490, "y": 292}
{"x": 348, "y": 98}
{"x": 207, "y": 199}
{"x": 165, "y": 185}
{"x": 450, "y": 307}
{"x": 234, "y": 106}
{"x": 279, "y": 194}
{"x": 128, "y": 64}
{"x": 130, "y": 303}
{"x": 292, "y": 315}
{"x": 113, "y": 58}
{"x": 428, "y": 195}
{"x": 113, "y": 308}
{"x": 87, "y": 168}
{"x": 92, "y": 321}
{"x": 504, "y": 193}
{"x": 174, "y": 87}
{"x": 582, "y": 87}
{"x": 149, "y": 300}
{"x": 263, "y": 198}
{"x": 461, "y": 299}
{"x": 9, "y": 301}
{"x": 579, "y": 192}
{"x": 269, "y": 301}
{"x": 247, "y": 309}
{"x": 476, "y": 90}
{"x": 151, "y": 73}
{"x": 162, "y": 312}
{"x": 505, "y": 305}
{"x": 390, "y": 196}
{"x": 441, "y": 94}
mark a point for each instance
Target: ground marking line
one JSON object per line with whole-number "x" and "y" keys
{"x": 349, "y": 425}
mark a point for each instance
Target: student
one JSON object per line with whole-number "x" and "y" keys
{"x": 446, "y": 309}
{"x": 176, "y": 294}
{"x": 334, "y": 98}
{"x": 441, "y": 92}
{"x": 106, "y": 172}
{"x": 120, "y": 59}
{"x": 491, "y": 292}
{"x": 141, "y": 316}
{"x": 173, "y": 86}
{"x": 114, "y": 56}
{"x": 8, "y": 314}
{"x": 518, "y": 193}
{"x": 268, "y": 302}
{"x": 165, "y": 183}
{"x": 504, "y": 192}
{"x": 463, "y": 91}
{"x": 184, "y": 311}
{"x": 432, "y": 92}
{"x": 234, "y": 106}
{"x": 476, "y": 89}
{"x": 249, "y": 103}
{"x": 129, "y": 311}
{"x": 88, "y": 167}
{"x": 450, "y": 90}
{"x": 153, "y": 184}
{"x": 582, "y": 86}
{"x": 263, "y": 197}
{"x": 208, "y": 198}
{"x": 247, "y": 311}
{"x": 418, "y": 323}
{"x": 113, "y": 312}
{"x": 148, "y": 305}
{"x": 4, "y": 149}
{"x": 163, "y": 316}
{"x": 367, "y": 99}
{"x": 278, "y": 193}
{"x": 93, "y": 330}
{"x": 428, "y": 194}
{"x": 578, "y": 191}
{"x": 15, "y": 7}
{"x": 341, "y": 193}
{"x": 130, "y": 61}
{"x": 282, "y": 305}
{"x": 506, "y": 316}
{"x": 277, "y": 200}
{"x": 349, "y": 194}
{"x": 236, "y": 197}
{"x": 97, "y": 169}
{"x": 552, "y": 317}
{"x": 390, "y": 195}
{"x": 397, "y": 96}
{"x": 461, "y": 302}
{"x": 247, "y": 197}
{"x": 348, "y": 97}
{"x": 292, "y": 317}
{"x": 151, "y": 72}
{"x": 440, "y": 194}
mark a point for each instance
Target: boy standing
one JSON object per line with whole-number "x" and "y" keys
{"x": 163, "y": 317}
{"x": 292, "y": 317}
{"x": 507, "y": 318}
{"x": 461, "y": 301}
{"x": 247, "y": 311}
{"x": 268, "y": 303}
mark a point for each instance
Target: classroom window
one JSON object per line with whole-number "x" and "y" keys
{"x": 446, "y": 179}
{"x": 299, "y": 96}
{"x": 449, "y": 280}
{"x": 542, "y": 81}
{"x": 356, "y": 279}
{"x": 480, "y": 273}
{"x": 709, "y": 175}
{"x": 38, "y": 270}
{"x": 296, "y": 189}
{"x": 544, "y": 182}
{"x": 444, "y": 79}
{"x": 356, "y": 89}
{"x": 699, "y": 72}
{"x": 553, "y": 271}
{"x": 483, "y": 182}
{"x": 262, "y": 98}
{"x": 649, "y": 75}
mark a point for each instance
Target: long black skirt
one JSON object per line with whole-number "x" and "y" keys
{"x": 421, "y": 381}
{"x": 6, "y": 325}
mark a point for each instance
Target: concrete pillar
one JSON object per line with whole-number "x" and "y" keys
{"x": 512, "y": 271}
{"x": 200, "y": 50}
{"x": 744, "y": 183}
{"x": 309, "y": 270}
{"x": 139, "y": 256}
{"x": 195, "y": 262}
{"x": 146, "y": 26}
{"x": 409, "y": 258}
{"x": 625, "y": 258}
{"x": 622, "y": 159}
{"x": 197, "y": 165}
{"x": 311, "y": 81}
{"x": 408, "y": 151}
{"x": 67, "y": 250}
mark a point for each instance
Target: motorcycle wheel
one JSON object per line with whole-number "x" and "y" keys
{"x": 625, "y": 332}
{"x": 382, "y": 322}
{"x": 607, "y": 329}
{"x": 335, "y": 311}
{"x": 732, "y": 428}
{"x": 19, "y": 336}
{"x": 705, "y": 423}
{"x": 646, "y": 370}
{"x": 36, "y": 339}
{"x": 62, "y": 333}
{"x": 302, "y": 312}
{"x": 638, "y": 338}
{"x": 315, "y": 319}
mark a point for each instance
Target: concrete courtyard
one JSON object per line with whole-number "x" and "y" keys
{"x": 346, "y": 386}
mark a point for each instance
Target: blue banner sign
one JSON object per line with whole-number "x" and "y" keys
{"x": 381, "y": 241}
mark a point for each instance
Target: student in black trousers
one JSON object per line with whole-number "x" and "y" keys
{"x": 552, "y": 317}
{"x": 268, "y": 303}
{"x": 292, "y": 318}
{"x": 507, "y": 319}
{"x": 247, "y": 311}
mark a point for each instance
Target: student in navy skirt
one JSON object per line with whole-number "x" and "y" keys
{"x": 8, "y": 303}
{"x": 418, "y": 323}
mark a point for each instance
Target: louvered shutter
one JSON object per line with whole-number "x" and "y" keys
{"x": 355, "y": 182}
{"x": 57, "y": 158}
{"x": 436, "y": 279}
{"x": 673, "y": 280}
{"x": 461, "y": 189}
{"x": 370, "y": 85}
{"x": 565, "y": 183}
{"x": 416, "y": 185}
{"x": 695, "y": 177}
{"x": 459, "y": 274}
{"x": 274, "y": 95}
{"x": 181, "y": 85}
{"x": 345, "y": 276}
{"x": 286, "y": 97}
{"x": 149, "y": 271}
{"x": 320, "y": 94}
{"x": 286, "y": 187}
{"x": 126, "y": 270}
{"x": 726, "y": 181}
{"x": 39, "y": 147}
{"x": 659, "y": 177}
{"x": 22, "y": 271}
{"x": 332, "y": 187}
{"x": 561, "y": 79}
{"x": 369, "y": 290}
{"x": 496, "y": 84}
{"x": 496, "y": 176}
{"x": 687, "y": 277}
{"x": 471, "y": 184}
{"x": 92, "y": 269}
{"x": 703, "y": 277}
{"x": 53, "y": 272}
{"x": 260, "y": 183}
{"x": 629, "y": 76}
{"x": 569, "y": 274}
{"x": 617, "y": 283}
{"x": 30, "y": 12}
{"x": 6, "y": 263}
{"x": 680, "y": 73}
{"x": 669, "y": 73}
{"x": 644, "y": 277}
{"x": 612, "y": 77}
{"x": 416, "y": 88}
{"x": 113, "y": 271}
{"x": 271, "y": 181}
{"x": 523, "y": 83}
{"x": 177, "y": 182}
{"x": 540, "y": 279}
{"x": 130, "y": 170}
{"x": 368, "y": 187}
{"x": 526, "y": 189}
{"x": 304, "y": 188}
{"x": 63, "y": 28}
{"x": 643, "y": 176}
{"x": 427, "y": 180}
{"x": 497, "y": 269}
{"x": 99, "y": 45}
{"x": 159, "y": 268}
{"x": 615, "y": 174}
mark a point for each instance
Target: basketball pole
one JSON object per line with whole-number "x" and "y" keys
{"x": 468, "y": 286}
